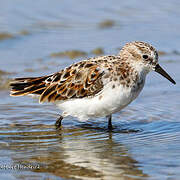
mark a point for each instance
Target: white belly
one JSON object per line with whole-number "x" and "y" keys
{"x": 107, "y": 102}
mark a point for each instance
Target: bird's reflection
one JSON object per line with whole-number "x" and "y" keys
{"x": 78, "y": 152}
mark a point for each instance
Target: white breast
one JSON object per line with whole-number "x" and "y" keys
{"x": 109, "y": 101}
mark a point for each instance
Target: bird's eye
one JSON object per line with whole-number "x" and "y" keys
{"x": 145, "y": 56}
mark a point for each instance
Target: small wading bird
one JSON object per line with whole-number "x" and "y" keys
{"x": 96, "y": 87}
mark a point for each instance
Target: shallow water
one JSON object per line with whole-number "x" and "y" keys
{"x": 31, "y": 147}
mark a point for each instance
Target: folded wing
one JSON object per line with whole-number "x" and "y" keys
{"x": 80, "y": 80}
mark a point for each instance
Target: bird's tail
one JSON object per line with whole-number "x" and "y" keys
{"x": 28, "y": 86}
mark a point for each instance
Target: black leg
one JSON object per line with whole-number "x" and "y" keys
{"x": 110, "y": 122}
{"x": 58, "y": 122}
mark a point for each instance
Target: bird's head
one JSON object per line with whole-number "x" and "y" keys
{"x": 143, "y": 57}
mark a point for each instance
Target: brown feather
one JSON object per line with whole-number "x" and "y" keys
{"x": 77, "y": 81}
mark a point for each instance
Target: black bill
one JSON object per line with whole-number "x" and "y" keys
{"x": 161, "y": 71}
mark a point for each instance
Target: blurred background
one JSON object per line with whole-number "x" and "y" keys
{"x": 41, "y": 37}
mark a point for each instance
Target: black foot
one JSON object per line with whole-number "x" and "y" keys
{"x": 130, "y": 130}
{"x": 110, "y": 128}
{"x": 110, "y": 122}
{"x": 58, "y": 122}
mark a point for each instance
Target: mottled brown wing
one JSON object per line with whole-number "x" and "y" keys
{"x": 80, "y": 80}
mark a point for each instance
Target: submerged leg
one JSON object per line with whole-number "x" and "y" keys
{"x": 109, "y": 122}
{"x": 58, "y": 122}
